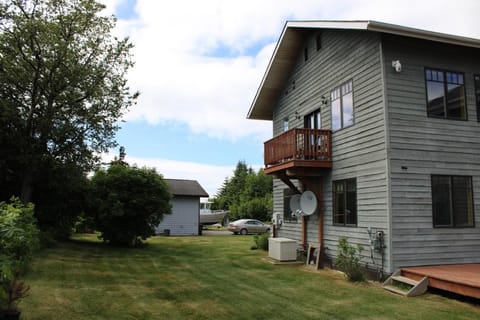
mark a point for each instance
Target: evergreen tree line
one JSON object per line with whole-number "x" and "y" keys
{"x": 247, "y": 194}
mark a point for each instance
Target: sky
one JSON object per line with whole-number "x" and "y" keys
{"x": 199, "y": 65}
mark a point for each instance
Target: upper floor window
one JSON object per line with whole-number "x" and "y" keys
{"x": 452, "y": 201}
{"x": 313, "y": 120}
{"x": 318, "y": 41}
{"x": 345, "y": 202}
{"x": 477, "y": 94}
{"x": 286, "y": 124}
{"x": 342, "y": 106}
{"x": 445, "y": 94}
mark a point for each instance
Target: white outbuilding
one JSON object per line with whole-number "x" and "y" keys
{"x": 185, "y": 217}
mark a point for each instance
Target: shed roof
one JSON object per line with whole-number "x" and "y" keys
{"x": 291, "y": 39}
{"x": 192, "y": 188}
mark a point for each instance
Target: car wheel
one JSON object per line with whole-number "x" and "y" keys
{"x": 243, "y": 232}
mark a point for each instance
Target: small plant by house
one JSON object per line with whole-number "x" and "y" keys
{"x": 348, "y": 260}
{"x": 261, "y": 241}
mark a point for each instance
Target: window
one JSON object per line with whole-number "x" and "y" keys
{"x": 345, "y": 202}
{"x": 342, "y": 106}
{"x": 313, "y": 120}
{"x": 285, "y": 124}
{"x": 452, "y": 201}
{"x": 287, "y": 211}
{"x": 445, "y": 94}
{"x": 477, "y": 94}
{"x": 318, "y": 41}
{"x": 305, "y": 53}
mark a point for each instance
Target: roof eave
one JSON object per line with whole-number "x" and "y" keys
{"x": 262, "y": 104}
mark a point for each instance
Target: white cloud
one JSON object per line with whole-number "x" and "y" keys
{"x": 181, "y": 81}
{"x": 210, "y": 177}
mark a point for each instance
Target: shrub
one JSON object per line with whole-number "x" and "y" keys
{"x": 261, "y": 241}
{"x": 18, "y": 240}
{"x": 348, "y": 260}
{"x": 129, "y": 203}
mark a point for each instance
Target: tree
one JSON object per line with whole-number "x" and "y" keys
{"x": 247, "y": 194}
{"x": 62, "y": 87}
{"x": 129, "y": 202}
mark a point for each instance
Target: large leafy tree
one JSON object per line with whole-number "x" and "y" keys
{"x": 128, "y": 203}
{"x": 62, "y": 87}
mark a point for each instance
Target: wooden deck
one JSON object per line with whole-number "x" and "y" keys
{"x": 462, "y": 279}
{"x": 299, "y": 145}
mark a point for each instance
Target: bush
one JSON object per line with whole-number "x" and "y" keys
{"x": 261, "y": 241}
{"x": 129, "y": 203}
{"x": 18, "y": 240}
{"x": 348, "y": 260}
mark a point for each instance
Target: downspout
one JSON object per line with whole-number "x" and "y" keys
{"x": 319, "y": 195}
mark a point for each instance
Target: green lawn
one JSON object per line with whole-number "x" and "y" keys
{"x": 207, "y": 277}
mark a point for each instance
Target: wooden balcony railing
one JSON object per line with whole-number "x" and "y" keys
{"x": 299, "y": 144}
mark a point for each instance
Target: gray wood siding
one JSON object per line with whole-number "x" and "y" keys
{"x": 358, "y": 151}
{"x": 184, "y": 219}
{"x": 425, "y": 146}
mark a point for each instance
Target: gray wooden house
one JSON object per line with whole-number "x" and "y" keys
{"x": 382, "y": 123}
{"x": 185, "y": 217}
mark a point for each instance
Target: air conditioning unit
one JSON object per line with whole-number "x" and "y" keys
{"x": 282, "y": 249}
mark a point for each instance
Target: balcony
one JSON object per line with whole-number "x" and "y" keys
{"x": 299, "y": 152}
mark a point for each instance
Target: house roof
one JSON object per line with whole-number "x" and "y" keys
{"x": 291, "y": 39}
{"x": 190, "y": 188}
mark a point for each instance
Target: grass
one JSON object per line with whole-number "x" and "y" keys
{"x": 216, "y": 277}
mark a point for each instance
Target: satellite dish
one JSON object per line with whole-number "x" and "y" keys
{"x": 295, "y": 203}
{"x": 308, "y": 202}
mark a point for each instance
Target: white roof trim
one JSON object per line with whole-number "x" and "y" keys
{"x": 377, "y": 26}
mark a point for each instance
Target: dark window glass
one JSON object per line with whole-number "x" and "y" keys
{"x": 305, "y": 53}
{"x": 452, "y": 201}
{"x": 477, "y": 94}
{"x": 318, "y": 41}
{"x": 445, "y": 94}
{"x": 313, "y": 120}
{"x": 345, "y": 202}
{"x": 342, "y": 106}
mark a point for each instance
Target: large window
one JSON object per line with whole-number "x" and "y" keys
{"x": 342, "y": 106}
{"x": 452, "y": 201}
{"x": 345, "y": 202}
{"x": 445, "y": 94}
{"x": 477, "y": 94}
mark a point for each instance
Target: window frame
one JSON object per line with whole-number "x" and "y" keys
{"x": 453, "y": 215}
{"x": 341, "y": 97}
{"x": 334, "y": 199}
{"x": 445, "y": 92}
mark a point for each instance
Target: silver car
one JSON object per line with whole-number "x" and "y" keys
{"x": 246, "y": 226}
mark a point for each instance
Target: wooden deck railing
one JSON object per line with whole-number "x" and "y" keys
{"x": 299, "y": 144}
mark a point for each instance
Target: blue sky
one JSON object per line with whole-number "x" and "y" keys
{"x": 199, "y": 64}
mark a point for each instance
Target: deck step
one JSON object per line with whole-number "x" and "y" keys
{"x": 395, "y": 290}
{"x": 412, "y": 287}
{"x": 406, "y": 280}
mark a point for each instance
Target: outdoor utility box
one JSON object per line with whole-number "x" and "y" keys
{"x": 282, "y": 249}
